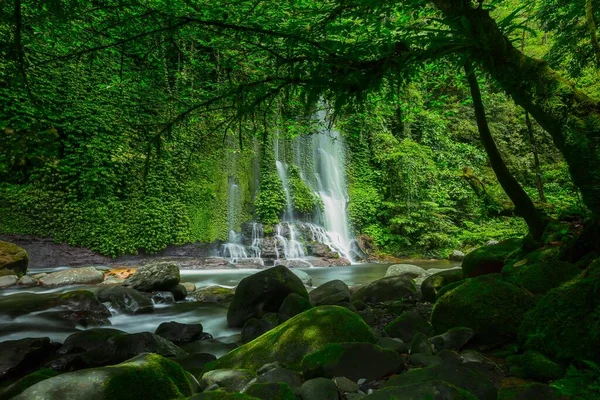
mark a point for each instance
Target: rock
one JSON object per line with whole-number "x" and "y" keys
{"x": 303, "y": 334}
{"x": 476, "y": 362}
{"x": 179, "y": 292}
{"x": 396, "y": 345}
{"x": 534, "y": 365}
{"x": 407, "y": 325}
{"x": 304, "y": 277}
{"x": 293, "y": 305}
{"x": 147, "y": 376}
{"x": 345, "y": 385}
{"x": 249, "y": 263}
{"x": 528, "y": 391}
{"x": 75, "y": 276}
{"x": 424, "y": 360}
{"x": 330, "y": 293}
{"x": 216, "y": 263}
{"x": 189, "y": 286}
{"x": 214, "y": 294}
{"x": 433, "y": 283}
{"x": 488, "y": 259}
{"x": 456, "y": 255}
{"x": 179, "y": 333}
{"x": 27, "y": 281}
{"x": 430, "y": 390}
{"x": 194, "y": 363}
{"x": 13, "y": 259}
{"x": 330, "y": 262}
{"x": 352, "y": 360}
{"x": 27, "y": 381}
{"x": 319, "y": 389}
{"x": 221, "y": 395}
{"x": 420, "y": 345}
{"x": 450, "y": 372}
{"x": 111, "y": 280}
{"x": 8, "y": 281}
{"x": 255, "y": 327}
{"x": 23, "y": 356}
{"x": 279, "y": 374}
{"x": 386, "y": 289}
{"x": 125, "y": 300}
{"x": 406, "y": 270}
{"x": 271, "y": 391}
{"x": 154, "y": 277}
{"x": 234, "y": 379}
{"x": 491, "y": 306}
{"x": 88, "y": 339}
{"x": 262, "y": 292}
{"x": 293, "y": 263}
{"x": 453, "y": 339}
{"x": 162, "y": 297}
{"x": 539, "y": 277}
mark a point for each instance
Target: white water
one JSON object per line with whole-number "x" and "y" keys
{"x": 233, "y": 249}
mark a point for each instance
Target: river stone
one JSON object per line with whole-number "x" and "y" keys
{"x": 25, "y": 382}
{"x": 304, "y": 277}
{"x": 456, "y": 255}
{"x": 345, "y": 385}
{"x": 386, "y": 289}
{"x": 431, "y": 285}
{"x": 255, "y": 327}
{"x": 147, "y": 376}
{"x": 407, "y": 325}
{"x": 234, "y": 379}
{"x": 214, "y": 294}
{"x": 179, "y": 292}
{"x": 293, "y": 305}
{"x": 88, "y": 339}
{"x": 420, "y": 345}
{"x": 280, "y": 374}
{"x": 27, "y": 281}
{"x": 271, "y": 391}
{"x": 453, "y": 339}
{"x": 189, "y": 286}
{"x": 162, "y": 297}
{"x": 8, "y": 281}
{"x": 154, "y": 277}
{"x": 180, "y": 333}
{"x": 13, "y": 259}
{"x": 293, "y": 263}
{"x": 352, "y": 360}
{"x": 393, "y": 344}
{"x": 75, "y": 276}
{"x": 125, "y": 300}
{"x": 430, "y": 390}
{"x": 263, "y": 292}
{"x": 22, "y": 356}
{"x": 330, "y": 293}
{"x": 407, "y": 270}
{"x": 528, "y": 391}
{"x": 319, "y": 389}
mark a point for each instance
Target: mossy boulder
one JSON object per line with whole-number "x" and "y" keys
{"x": 386, "y": 289}
{"x": 147, "y": 376}
{"x": 222, "y": 395}
{"x": 154, "y": 277}
{"x": 214, "y": 294}
{"x": 431, "y": 390}
{"x": 534, "y": 365}
{"x": 261, "y": 293}
{"x": 528, "y": 391}
{"x": 126, "y": 300}
{"x": 88, "y": 339}
{"x": 74, "y": 276}
{"x": 407, "y": 325}
{"x": 488, "y": 304}
{"x": 271, "y": 391}
{"x": 330, "y": 293}
{"x": 26, "y": 382}
{"x": 293, "y": 305}
{"x": 565, "y": 322}
{"x": 488, "y": 259}
{"x": 352, "y": 360}
{"x": 432, "y": 284}
{"x": 13, "y": 259}
{"x": 301, "y": 335}
{"x": 453, "y": 339}
{"x": 539, "y": 277}
{"x": 232, "y": 379}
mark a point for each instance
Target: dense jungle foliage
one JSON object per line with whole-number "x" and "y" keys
{"x": 123, "y": 121}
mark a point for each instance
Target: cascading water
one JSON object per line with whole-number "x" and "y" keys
{"x": 233, "y": 249}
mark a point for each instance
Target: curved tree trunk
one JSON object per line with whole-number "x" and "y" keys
{"x": 593, "y": 28}
{"x": 568, "y": 115}
{"x": 524, "y": 207}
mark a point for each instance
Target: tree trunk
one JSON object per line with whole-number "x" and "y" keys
{"x": 539, "y": 184}
{"x": 591, "y": 23}
{"x": 569, "y": 116}
{"x": 523, "y": 205}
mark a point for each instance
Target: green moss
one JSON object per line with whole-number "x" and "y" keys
{"x": 534, "y": 365}
{"x": 446, "y": 288}
{"x": 270, "y": 201}
{"x": 25, "y": 382}
{"x": 271, "y": 391}
{"x": 303, "y": 334}
{"x": 304, "y": 199}
{"x": 435, "y": 389}
{"x": 487, "y": 304}
{"x": 540, "y": 277}
{"x": 488, "y": 259}
{"x": 222, "y": 395}
{"x": 528, "y": 391}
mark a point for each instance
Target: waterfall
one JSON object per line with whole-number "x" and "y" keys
{"x": 233, "y": 249}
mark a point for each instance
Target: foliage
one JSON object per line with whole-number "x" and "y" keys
{"x": 581, "y": 383}
{"x": 270, "y": 201}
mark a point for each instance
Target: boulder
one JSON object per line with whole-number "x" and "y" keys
{"x": 429, "y": 390}
{"x": 352, "y": 360}
{"x": 491, "y": 306}
{"x": 180, "y": 333}
{"x": 22, "y": 356}
{"x": 534, "y": 365}
{"x": 386, "y": 289}
{"x": 301, "y": 335}
{"x": 75, "y": 276}
{"x": 125, "y": 300}
{"x": 189, "y": 286}
{"x": 293, "y": 305}
{"x": 345, "y": 385}
{"x": 396, "y": 345}
{"x": 407, "y": 270}
{"x": 27, "y": 381}
{"x": 271, "y": 391}
{"x": 194, "y": 363}
{"x": 330, "y": 293}
{"x": 528, "y": 391}
{"x": 456, "y": 255}
{"x": 255, "y": 327}
{"x": 13, "y": 259}
{"x": 214, "y": 294}
{"x": 88, "y": 339}
{"x": 147, "y": 376}
{"x": 233, "y": 379}
{"x": 488, "y": 259}
{"x": 407, "y": 325}
{"x": 304, "y": 277}
{"x": 162, "y": 297}
{"x": 279, "y": 374}
{"x": 539, "y": 277}
{"x": 27, "y": 281}
{"x": 453, "y": 339}
{"x": 420, "y": 345}
{"x": 8, "y": 281}
{"x": 433, "y": 283}
{"x": 221, "y": 395}
{"x": 319, "y": 389}
{"x": 179, "y": 292}
{"x": 154, "y": 277}
{"x": 262, "y": 292}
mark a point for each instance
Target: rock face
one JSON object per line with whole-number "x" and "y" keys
{"x": 261, "y": 293}
{"x": 386, "y": 289}
{"x": 488, "y": 259}
{"x": 433, "y": 283}
{"x": 179, "y": 333}
{"x": 491, "y": 306}
{"x": 126, "y": 300}
{"x": 301, "y": 335}
{"x": 154, "y": 277}
{"x": 13, "y": 259}
{"x": 214, "y": 294}
{"x": 148, "y": 376}
{"x": 353, "y": 361}
{"x": 76, "y": 276}
{"x": 19, "y": 357}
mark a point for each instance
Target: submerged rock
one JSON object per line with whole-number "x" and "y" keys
{"x": 75, "y": 276}
{"x": 125, "y": 300}
{"x": 154, "y": 277}
{"x": 13, "y": 259}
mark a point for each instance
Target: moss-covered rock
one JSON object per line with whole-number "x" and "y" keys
{"x": 529, "y": 391}
{"x": 431, "y": 390}
{"x": 491, "y": 306}
{"x": 271, "y": 391}
{"x": 488, "y": 259}
{"x": 432, "y": 284}
{"x": 564, "y": 324}
{"x": 147, "y": 376}
{"x": 534, "y": 365}
{"x": 293, "y": 305}
{"x": 261, "y": 293}
{"x": 352, "y": 360}
{"x": 330, "y": 293}
{"x": 23, "y": 356}
{"x": 407, "y": 325}
{"x": 301, "y": 335}
{"x": 539, "y": 277}
{"x": 222, "y": 395}
{"x": 386, "y": 289}
{"x": 232, "y": 379}
{"x": 214, "y": 294}
{"x": 26, "y": 382}
{"x": 13, "y": 259}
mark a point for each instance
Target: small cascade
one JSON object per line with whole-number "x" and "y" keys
{"x": 282, "y": 172}
{"x": 292, "y": 248}
{"x": 257, "y": 240}
{"x": 233, "y": 249}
